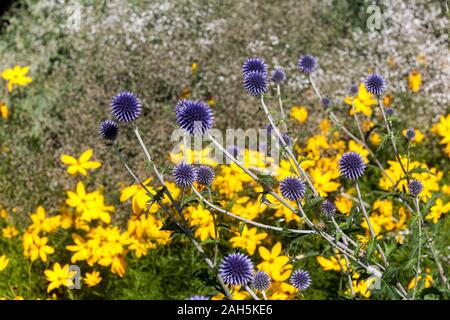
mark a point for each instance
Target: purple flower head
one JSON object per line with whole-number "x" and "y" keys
{"x": 354, "y": 90}
{"x": 126, "y": 107}
{"x": 300, "y": 279}
{"x": 375, "y": 84}
{"x": 307, "y": 63}
{"x": 255, "y": 82}
{"x": 415, "y": 187}
{"x": 184, "y": 174}
{"x": 292, "y": 188}
{"x": 236, "y": 269}
{"x": 328, "y": 208}
{"x": 351, "y": 165}
{"x": 261, "y": 281}
{"x": 205, "y": 175}
{"x": 278, "y": 76}
{"x": 326, "y": 102}
{"x": 410, "y": 134}
{"x": 195, "y": 117}
{"x": 109, "y": 130}
{"x": 389, "y": 112}
{"x": 254, "y": 64}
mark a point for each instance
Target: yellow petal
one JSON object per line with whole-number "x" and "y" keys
{"x": 69, "y": 160}
{"x": 264, "y": 253}
{"x": 276, "y": 250}
{"x": 91, "y": 165}
{"x": 85, "y": 156}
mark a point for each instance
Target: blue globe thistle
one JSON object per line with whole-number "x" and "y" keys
{"x": 198, "y": 297}
{"x": 205, "y": 175}
{"x": 261, "y": 281}
{"x": 180, "y": 105}
{"x": 278, "y": 76}
{"x": 389, "y": 112}
{"x": 233, "y": 150}
{"x": 287, "y": 139}
{"x": 300, "y": 279}
{"x": 126, "y": 107}
{"x": 415, "y": 187}
{"x": 254, "y": 64}
{"x": 375, "y": 84}
{"x": 292, "y": 188}
{"x": 184, "y": 174}
{"x": 195, "y": 117}
{"x": 328, "y": 208}
{"x": 410, "y": 134}
{"x": 236, "y": 269}
{"x": 351, "y": 165}
{"x": 326, "y": 102}
{"x": 255, "y": 82}
{"x": 109, "y": 130}
{"x": 354, "y": 89}
{"x": 307, "y": 63}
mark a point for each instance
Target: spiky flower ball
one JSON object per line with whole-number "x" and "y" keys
{"x": 328, "y": 208}
{"x": 354, "y": 90}
{"x": 195, "y": 117}
{"x": 197, "y": 297}
{"x": 126, "y": 107}
{"x": 351, "y": 165}
{"x": 254, "y": 64}
{"x": 326, "y": 102}
{"x": 180, "y": 105}
{"x": 307, "y": 63}
{"x": 109, "y": 130}
{"x": 375, "y": 84}
{"x": 389, "y": 112}
{"x": 261, "y": 281}
{"x": 184, "y": 174}
{"x": 300, "y": 279}
{"x": 205, "y": 175}
{"x": 415, "y": 187}
{"x": 236, "y": 269}
{"x": 278, "y": 76}
{"x": 292, "y": 188}
{"x": 410, "y": 134}
{"x": 255, "y": 82}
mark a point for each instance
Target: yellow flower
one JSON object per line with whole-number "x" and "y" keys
{"x": 80, "y": 165}
{"x": 248, "y": 239}
{"x": 92, "y": 279}
{"x": 4, "y": 261}
{"x": 16, "y": 76}
{"x": 194, "y": 68}
{"x": 332, "y": 263}
{"x": 58, "y": 277}
{"x": 299, "y": 113}
{"x": 414, "y": 81}
{"x": 3, "y": 214}
{"x": 363, "y": 101}
{"x": 343, "y": 204}
{"x": 139, "y": 195}
{"x": 419, "y": 135}
{"x": 356, "y": 147}
{"x": 36, "y": 247}
{"x": 428, "y": 281}
{"x": 275, "y": 265}
{"x": 10, "y": 232}
{"x": 387, "y": 100}
{"x": 194, "y": 156}
{"x": 3, "y": 110}
{"x": 375, "y": 139}
{"x": 202, "y": 219}
{"x": 437, "y": 210}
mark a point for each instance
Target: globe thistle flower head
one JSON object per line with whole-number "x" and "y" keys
{"x": 180, "y": 105}
{"x": 109, "y": 130}
{"x": 328, "y": 208}
{"x": 205, "y": 175}
{"x": 410, "y": 134}
{"x": 126, "y": 107}
{"x": 261, "y": 281}
{"x": 415, "y": 187}
{"x": 184, "y": 174}
{"x": 389, "y": 112}
{"x": 375, "y": 84}
{"x": 351, "y": 165}
{"x": 236, "y": 269}
{"x": 307, "y": 63}
{"x": 278, "y": 76}
{"x": 254, "y": 64}
{"x": 287, "y": 140}
{"x": 354, "y": 90}
{"x": 300, "y": 279}
{"x": 195, "y": 117}
{"x": 292, "y": 188}
{"x": 326, "y": 102}
{"x": 197, "y": 297}
{"x": 255, "y": 82}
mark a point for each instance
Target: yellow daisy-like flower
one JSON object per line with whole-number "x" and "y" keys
{"x": 414, "y": 81}
{"x": 275, "y": 264}
{"x": 80, "y": 165}
{"x": 299, "y": 113}
{"x": 418, "y": 138}
{"x": 332, "y": 264}
{"x": 139, "y": 196}
{"x": 10, "y": 232}
{"x": 3, "y": 111}
{"x": 92, "y": 279}
{"x": 248, "y": 239}
{"x": 4, "y": 261}
{"x": 16, "y": 76}
{"x": 59, "y": 276}
{"x": 438, "y": 210}
{"x": 363, "y": 101}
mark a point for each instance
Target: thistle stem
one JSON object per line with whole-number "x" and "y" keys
{"x": 419, "y": 249}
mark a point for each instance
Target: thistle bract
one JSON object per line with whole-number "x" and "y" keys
{"x": 236, "y": 269}
{"x": 292, "y": 188}
{"x": 351, "y": 165}
{"x": 126, "y": 107}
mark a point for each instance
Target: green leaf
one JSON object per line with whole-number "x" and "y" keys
{"x": 420, "y": 170}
